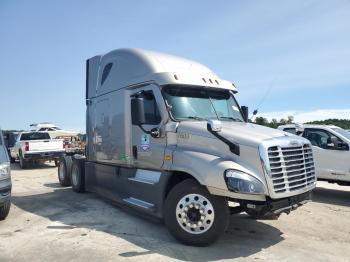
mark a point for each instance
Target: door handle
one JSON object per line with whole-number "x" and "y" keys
{"x": 134, "y": 151}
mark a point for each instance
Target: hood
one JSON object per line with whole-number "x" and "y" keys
{"x": 242, "y": 133}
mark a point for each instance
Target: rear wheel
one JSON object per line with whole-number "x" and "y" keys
{"x": 5, "y": 209}
{"x": 22, "y": 162}
{"x": 193, "y": 216}
{"x": 64, "y": 166}
{"x": 12, "y": 159}
{"x": 78, "y": 176}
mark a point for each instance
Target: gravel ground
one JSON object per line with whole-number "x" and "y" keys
{"x": 51, "y": 223}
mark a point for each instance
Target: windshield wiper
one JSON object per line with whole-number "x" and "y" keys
{"x": 231, "y": 118}
{"x": 195, "y": 117}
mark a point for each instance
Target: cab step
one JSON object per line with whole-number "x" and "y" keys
{"x": 139, "y": 203}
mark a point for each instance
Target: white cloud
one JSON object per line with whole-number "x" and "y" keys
{"x": 306, "y": 116}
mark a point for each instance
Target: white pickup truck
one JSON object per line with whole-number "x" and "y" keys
{"x": 33, "y": 147}
{"x": 331, "y": 148}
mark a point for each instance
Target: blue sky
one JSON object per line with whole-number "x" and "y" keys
{"x": 299, "y": 50}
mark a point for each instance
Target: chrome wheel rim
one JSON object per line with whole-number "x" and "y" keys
{"x": 61, "y": 171}
{"x": 75, "y": 176}
{"x": 195, "y": 213}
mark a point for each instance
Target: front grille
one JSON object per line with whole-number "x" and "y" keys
{"x": 292, "y": 168}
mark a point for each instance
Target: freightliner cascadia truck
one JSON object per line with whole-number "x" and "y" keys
{"x": 166, "y": 136}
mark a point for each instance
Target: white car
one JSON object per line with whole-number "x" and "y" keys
{"x": 331, "y": 150}
{"x": 36, "y": 146}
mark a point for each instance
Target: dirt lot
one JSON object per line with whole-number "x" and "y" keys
{"x": 51, "y": 223}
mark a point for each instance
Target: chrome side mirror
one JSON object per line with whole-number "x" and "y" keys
{"x": 215, "y": 125}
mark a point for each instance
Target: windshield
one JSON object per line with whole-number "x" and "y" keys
{"x": 343, "y": 132}
{"x": 202, "y": 104}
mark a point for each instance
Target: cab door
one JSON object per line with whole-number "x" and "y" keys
{"x": 148, "y": 141}
{"x": 331, "y": 162}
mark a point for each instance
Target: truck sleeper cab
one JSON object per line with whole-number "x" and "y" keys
{"x": 166, "y": 136}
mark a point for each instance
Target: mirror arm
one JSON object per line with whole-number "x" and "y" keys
{"x": 154, "y": 132}
{"x": 144, "y": 130}
{"x": 234, "y": 148}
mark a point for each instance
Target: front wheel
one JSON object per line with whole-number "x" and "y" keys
{"x": 193, "y": 216}
{"x": 5, "y": 209}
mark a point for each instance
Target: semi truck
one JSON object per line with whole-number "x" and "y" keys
{"x": 167, "y": 137}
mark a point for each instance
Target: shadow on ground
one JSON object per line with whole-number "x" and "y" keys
{"x": 331, "y": 196}
{"x": 244, "y": 236}
{"x": 43, "y": 165}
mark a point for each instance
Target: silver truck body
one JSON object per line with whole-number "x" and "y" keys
{"x": 5, "y": 180}
{"x": 139, "y": 164}
{"x": 111, "y": 135}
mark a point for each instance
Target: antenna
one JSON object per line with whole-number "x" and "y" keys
{"x": 255, "y": 112}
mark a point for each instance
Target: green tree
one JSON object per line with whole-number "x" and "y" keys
{"x": 274, "y": 123}
{"x": 290, "y": 119}
{"x": 262, "y": 121}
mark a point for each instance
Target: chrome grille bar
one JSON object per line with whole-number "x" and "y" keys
{"x": 291, "y": 168}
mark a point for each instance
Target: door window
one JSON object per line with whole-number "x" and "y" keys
{"x": 320, "y": 138}
{"x": 151, "y": 109}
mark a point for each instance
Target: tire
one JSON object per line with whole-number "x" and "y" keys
{"x": 12, "y": 160}
{"x": 78, "y": 176}
{"x": 197, "y": 231}
{"x": 56, "y": 163}
{"x": 22, "y": 162}
{"x": 5, "y": 209}
{"x": 64, "y": 168}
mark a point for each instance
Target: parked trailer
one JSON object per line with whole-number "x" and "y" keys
{"x": 166, "y": 136}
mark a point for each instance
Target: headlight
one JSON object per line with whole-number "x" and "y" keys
{"x": 5, "y": 171}
{"x": 240, "y": 182}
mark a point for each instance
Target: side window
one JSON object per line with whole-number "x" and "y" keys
{"x": 318, "y": 137}
{"x": 105, "y": 72}
{"x": 290, "y": 130}
{"x": 151, "y": 109}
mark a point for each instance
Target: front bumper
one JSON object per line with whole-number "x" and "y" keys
{"x": 5, "y": 190}
{"x": 44, "y": 156}
{"x": 278, "y": 206}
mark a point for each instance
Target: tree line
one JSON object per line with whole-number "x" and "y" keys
{"x": 274, "y": 123}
